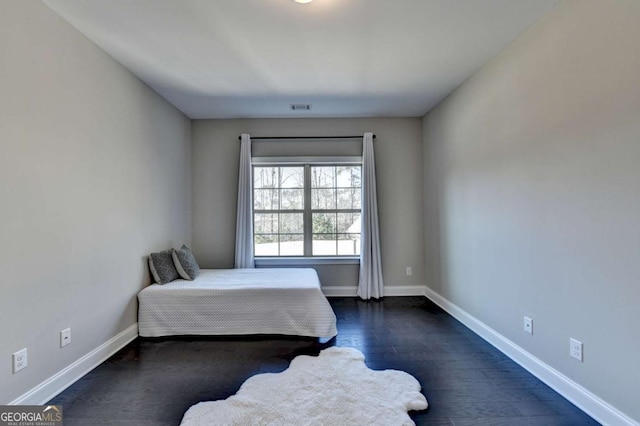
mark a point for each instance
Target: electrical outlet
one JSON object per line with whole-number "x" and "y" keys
{"x": 65, "y": 337}
{"x": 575, "y": 349}
{"x": 409, "y": 271}
{"x": 528, "y": 325}
{"x": 19, "y": 360}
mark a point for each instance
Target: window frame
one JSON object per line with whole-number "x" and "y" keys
{"x": 307, "y": 162}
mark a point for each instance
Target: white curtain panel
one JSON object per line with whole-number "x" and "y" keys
{"x": 244, "y": 221}
{"x": 370, "y": 284}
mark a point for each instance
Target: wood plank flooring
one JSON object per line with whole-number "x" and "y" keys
{"x": 465, "y": 380}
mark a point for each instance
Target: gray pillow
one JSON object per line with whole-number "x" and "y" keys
{"x": 185, "y": 263}
{"x": 162, "y": 267}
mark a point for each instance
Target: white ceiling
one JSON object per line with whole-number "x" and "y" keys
{"x": 349, "y": 58}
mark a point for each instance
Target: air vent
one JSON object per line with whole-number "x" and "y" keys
{"x": 300, "y": 107}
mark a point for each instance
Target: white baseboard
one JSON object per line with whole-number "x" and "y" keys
{"x": 395, "y": 290}
{"x": 591, "y": 404}
{"x": 55, "y": 384}
{"x": 336, "y": 291}
{"x": 404, "y": 290}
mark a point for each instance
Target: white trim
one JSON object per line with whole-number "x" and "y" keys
{"x": 339, "y": 291}
{"x": 403, "y": 290}
{"x": 590, "y": 403}
{"x": 391, "y": 291}
{"x": 306, "y": 261}
{"x": 306, "y": 160}
{"x": 55, "y": 384}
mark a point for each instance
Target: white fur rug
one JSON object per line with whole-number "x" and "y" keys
{"x": 334, "y": 388}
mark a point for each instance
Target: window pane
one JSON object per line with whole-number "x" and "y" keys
{"x": 265, "y": 177}
{"x": 265, "y": 199}
{"x": 324, "y": 245}
{"x": 323, "y": 177}
{"x": 265, "y": 245}
{"x": 323, "y": 199}
{"x": 291, "y": 177}
{"x": 291, "y": 244}
{"x": 349, "y": 222}
{"x": 265, "y": 223}
{"x": 349, "y": 199}
{"x": 348, "y": 244}
{"x": 323, "y": 223}
{"x": 357, "y": 198}
{"x": 291, "y": 223}
{"x": 348, "y": 176}
{"x": 292, "y": 199}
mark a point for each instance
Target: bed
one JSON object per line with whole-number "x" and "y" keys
{"x": 238, "y": 301}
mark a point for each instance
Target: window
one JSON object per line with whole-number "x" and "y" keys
{"x": 306, "y": 209}
{"x": 278, "y": 211}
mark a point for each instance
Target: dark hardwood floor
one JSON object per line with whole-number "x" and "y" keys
{"x": 465, "y": 380}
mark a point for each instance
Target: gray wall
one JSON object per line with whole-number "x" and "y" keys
{"x": 398, "y": 153}
{"x": 95, "y": 173}
{"x": 532, "y": 178}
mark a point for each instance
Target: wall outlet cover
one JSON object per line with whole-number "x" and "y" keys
{"x": 65, "y": 337}
{"x": 528, "y": 325}
{"x": 575, "y": 349}
{"x": 19, "y": 360}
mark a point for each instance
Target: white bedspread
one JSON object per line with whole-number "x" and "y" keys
{"x": 238, "y": 301}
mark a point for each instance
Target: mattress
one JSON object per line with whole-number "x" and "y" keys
{"x": 238, "y": 301}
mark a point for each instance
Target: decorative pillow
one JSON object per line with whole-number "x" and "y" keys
{"x": 185, "y": 263}
{"x": 162, "y": 267}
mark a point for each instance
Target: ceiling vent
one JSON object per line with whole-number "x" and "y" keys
{"x": 300, "y": 107}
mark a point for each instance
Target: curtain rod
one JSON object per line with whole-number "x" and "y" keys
{"x": 302, "y": 137}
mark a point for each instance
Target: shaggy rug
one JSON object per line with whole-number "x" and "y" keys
{"x": 334, "y": 388}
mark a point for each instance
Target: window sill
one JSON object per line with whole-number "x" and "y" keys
{"x": 305, "y": 261}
